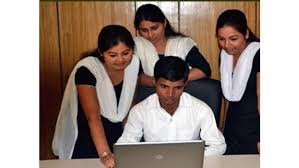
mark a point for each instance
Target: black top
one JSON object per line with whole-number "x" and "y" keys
{"x": 196, "y": 60}
{"x": 242, "y": 126}
{"x": 84, "y": 147}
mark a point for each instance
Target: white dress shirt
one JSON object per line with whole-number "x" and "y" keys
{"x": 192, "y": 120}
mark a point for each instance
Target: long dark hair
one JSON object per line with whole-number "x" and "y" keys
{"x": 110, "y": 36}
{"x": 236, "y": 19}
{"x": 153, "y": 13}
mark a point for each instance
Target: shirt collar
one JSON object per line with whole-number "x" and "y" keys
{"x": 183, "y": 101}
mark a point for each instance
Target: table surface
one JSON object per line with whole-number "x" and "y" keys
{"x": 225, "y": 161}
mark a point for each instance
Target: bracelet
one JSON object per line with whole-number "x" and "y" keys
{"x": 105, "y": 154}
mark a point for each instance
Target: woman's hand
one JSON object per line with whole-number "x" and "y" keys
{"x": 145, "y": 80}
{"x": 108, "y": 161}
{"x": 258, "y": 147}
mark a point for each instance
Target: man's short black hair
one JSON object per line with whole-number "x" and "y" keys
{"x": 171, "y": 68}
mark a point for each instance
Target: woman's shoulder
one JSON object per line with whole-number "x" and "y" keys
{"x": 88, "y": 60}
{"x": 180, "y": 37}
{"x": 141, "y": 42}
{"x": 183, "y": 39}
{"x": 83, "y": 76}
{"x": 256, "y": 59}
{"x": 257, "y": 53}
{"x": 140, "y": 39}
{"x": 184, "y": 42}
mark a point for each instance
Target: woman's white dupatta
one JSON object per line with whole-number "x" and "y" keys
{"x": 147, "y": 53}
{"x": 233, "y": 86}
{"x": 66, "y": 132}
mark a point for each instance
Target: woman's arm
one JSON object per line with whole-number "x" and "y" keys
{"x": 145, "y": 80}
{"x": 224, "y": 113}
{"x": 200, "y": 66}
{"x": 195, "y": 74}
{"x": 90, "y": 105}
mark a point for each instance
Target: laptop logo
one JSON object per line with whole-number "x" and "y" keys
{"x": 159, "y": 156}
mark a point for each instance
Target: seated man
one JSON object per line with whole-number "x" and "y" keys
{"x": 171, "y": 114}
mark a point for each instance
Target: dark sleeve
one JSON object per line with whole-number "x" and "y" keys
{"x": 196, "y": 60}
{"x": 256, "y": 61}
{"x": 84, "y": 77}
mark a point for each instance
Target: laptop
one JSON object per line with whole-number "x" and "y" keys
{"x": 177, "y": 154}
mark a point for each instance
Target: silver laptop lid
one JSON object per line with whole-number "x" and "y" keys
{"x": 185, "y": 154}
